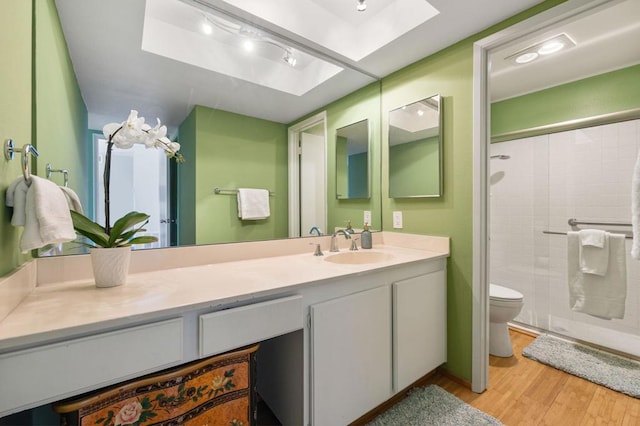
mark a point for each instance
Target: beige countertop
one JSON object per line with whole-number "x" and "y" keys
{"x": 75, "y": 307}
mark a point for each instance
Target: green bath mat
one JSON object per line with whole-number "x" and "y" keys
{"x": 432, "y": 405}
{"x": 615, "y": 372}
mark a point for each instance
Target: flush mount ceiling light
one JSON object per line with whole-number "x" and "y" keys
{"x": 361, "y": 6}
{"x": 546, "y": 47}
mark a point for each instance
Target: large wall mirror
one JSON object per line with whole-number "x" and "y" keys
{"x": 352, "y": 161}
{"x": 415, "y": 149}
{"x": 233, "y": 127}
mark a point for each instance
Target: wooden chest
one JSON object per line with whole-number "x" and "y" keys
{"x": 219, "y": 390}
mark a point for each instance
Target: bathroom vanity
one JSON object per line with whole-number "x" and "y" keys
{"x": 339, "y": 336}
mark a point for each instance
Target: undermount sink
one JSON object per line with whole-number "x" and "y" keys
{"x": 359, "y": 257}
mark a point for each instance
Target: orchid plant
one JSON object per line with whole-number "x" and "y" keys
{"x": 123, "y": 232}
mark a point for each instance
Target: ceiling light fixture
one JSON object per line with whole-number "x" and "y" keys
{"x": 545, "y": 47}
{"x": 206, "y": 27}
{"x": 361, "y": 6}
{"x": 289, "y": 58}
{"x": 249, "y": 37}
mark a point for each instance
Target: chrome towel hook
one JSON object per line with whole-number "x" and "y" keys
{"x": 9, "y": 153}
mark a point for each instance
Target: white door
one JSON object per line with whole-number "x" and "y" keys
{"x": 312, "y": 182}
{"x": 138, "y": 182}
{"x": 307, "y": 175}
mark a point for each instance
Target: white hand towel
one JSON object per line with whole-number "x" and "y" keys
{"x": 72, "y": 199}
{"x": 600, "y": 296}
{"x": 594, "y": 251}
{"x": 635, "y": 209}
{"x": 253, "y": 204}
{"x": 48, "y": 220}
{"x": 16, "y": 197}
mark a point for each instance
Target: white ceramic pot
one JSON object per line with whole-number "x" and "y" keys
{"x": 110, "y": 265}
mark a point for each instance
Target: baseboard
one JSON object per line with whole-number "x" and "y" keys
{"x": 446, "y": 373}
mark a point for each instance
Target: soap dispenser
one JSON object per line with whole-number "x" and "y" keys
{"x": 365, "y": 237}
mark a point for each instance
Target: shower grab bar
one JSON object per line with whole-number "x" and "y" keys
{"x": 574, "y": 222}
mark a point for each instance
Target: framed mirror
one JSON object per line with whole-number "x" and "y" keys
{"x": 352, "y": 161}
{"x": 415, "y": 149}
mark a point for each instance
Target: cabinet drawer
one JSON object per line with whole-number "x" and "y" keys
{"x": 232, "y": 328}
{"x": 50, "y": 372}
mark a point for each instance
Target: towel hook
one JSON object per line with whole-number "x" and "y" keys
{"x": 64, "y": 172}
{"x": 9, "y": 153}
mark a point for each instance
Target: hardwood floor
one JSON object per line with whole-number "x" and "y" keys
{"x": 525, "y": 392}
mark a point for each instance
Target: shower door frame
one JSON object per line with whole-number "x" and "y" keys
{"x": 481, "y": 140}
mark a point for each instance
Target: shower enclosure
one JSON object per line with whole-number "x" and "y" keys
{"x": 546, "y": 180}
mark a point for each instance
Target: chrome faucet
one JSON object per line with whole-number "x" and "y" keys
{"x": 334, "y": 239}
{"x": 354, "y": 244}
{"x": 316, "y": 230}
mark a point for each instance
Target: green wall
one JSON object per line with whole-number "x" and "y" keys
{"x": 15, "y": 113}
{"x": 231, "y": 151}
{"x": 59, "y": 110}
{"x": 415, "y": 168}
{"x": 605, "y": 93}
{"x": 448, "y": 73}
{"x": 363, "y": 104}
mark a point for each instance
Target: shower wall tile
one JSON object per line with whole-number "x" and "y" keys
{"x": 583, "y": 174}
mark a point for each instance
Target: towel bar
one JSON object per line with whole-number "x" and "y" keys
{"x": 218, "y": 190}
{"x": 626, "y": 234}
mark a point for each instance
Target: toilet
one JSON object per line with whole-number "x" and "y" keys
{"x": 504, "y": 305}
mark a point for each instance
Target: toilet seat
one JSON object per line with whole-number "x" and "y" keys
{"x": 504, "y": 294}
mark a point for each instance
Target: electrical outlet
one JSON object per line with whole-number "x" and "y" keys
{"x": 397, "y": 220}
{"x": 367, "y": 217}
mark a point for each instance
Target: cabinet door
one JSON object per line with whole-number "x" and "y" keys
{"x": 351, "y": 356}
{"x": 419, "y": 327}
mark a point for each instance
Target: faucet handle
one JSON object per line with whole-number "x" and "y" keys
{"x": 318, "y": 251}
{"x": 354, "y": 245}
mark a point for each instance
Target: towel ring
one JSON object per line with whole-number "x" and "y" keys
{"x": 9, "y": 153}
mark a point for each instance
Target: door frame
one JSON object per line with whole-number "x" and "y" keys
{"x": 294, "y": 170}
{"x": 481, "y": 140}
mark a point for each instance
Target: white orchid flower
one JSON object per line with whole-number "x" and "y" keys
{"x": 155, "y": 133}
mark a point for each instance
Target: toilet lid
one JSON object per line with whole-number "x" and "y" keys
{"x": 497, "y": 292}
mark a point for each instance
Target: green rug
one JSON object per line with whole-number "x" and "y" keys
{"x": 432, "y": 405}
{"x": 615, "y": 372}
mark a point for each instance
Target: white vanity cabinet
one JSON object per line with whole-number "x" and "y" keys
{"x": 369, "y": 345}
{"x": 46, "y": 373}
{"x": 351, "y": 347}
{"x": 419, "y": 327}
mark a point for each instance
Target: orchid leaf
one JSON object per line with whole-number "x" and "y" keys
{"x": 87, "y": 228}
{"x": 125, "y": 222}
{"x": 145, "y": 239}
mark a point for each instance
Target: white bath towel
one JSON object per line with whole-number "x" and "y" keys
{"x": 72, "y": 199}
{"x": 594, "y": 251}
{"x": 601, "y": 296}
{"x": 16, "y": 197}
{"x": 48, "y": 220}
{"x": 635, "y": 209}
{"x": 253, "y": 204}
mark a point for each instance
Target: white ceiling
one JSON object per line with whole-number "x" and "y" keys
{"x": 115, "y": 73}
{"x": 607, "y": 38}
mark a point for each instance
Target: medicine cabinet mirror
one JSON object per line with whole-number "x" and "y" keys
{"x": 352, "y": 161}
{"x": 415, "y": 149}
